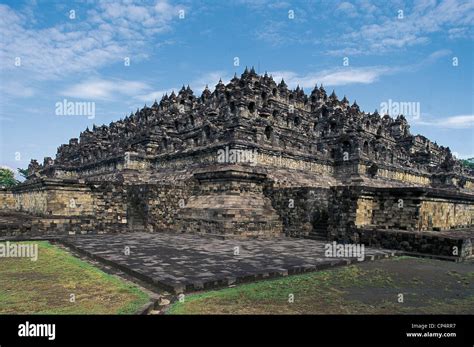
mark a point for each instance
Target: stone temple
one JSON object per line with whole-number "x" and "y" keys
{"x": 252, "y": 159}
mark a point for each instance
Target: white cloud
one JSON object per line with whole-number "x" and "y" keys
{"x": 336, "y": 77}
{"x": 370, "y": 27}
{"x": 457, "y": 33}
{"x": 102, "y": 36}
{"x": 347, "y": 9}
{"x": 105, "y": 89}
{"x": 453, "y": 122}
{"x": 263, "y": 4}
{"x": 415, "y": 28}
{"x": 116, "y": 89}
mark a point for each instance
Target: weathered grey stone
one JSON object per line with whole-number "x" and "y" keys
{"x": 250, "y": 159}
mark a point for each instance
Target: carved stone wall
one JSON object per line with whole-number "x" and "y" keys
{"x": 314, "y": 133}
{"x": 443, "y": 214}
{"x": 160, "y": 169}
{"x": 7, "y": 200}
{"x": 415, "y": 209}
{"x": 302, "y": 210}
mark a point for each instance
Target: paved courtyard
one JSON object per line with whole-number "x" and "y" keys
{"x": 187, "y": 262}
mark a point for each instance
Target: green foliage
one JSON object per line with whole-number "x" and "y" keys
{"x": 23, "y": 172}
{"x": 468, "y": 163}
{"x": 7, "y": 178}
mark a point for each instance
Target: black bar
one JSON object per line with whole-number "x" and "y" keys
{"x": 330, "y": 329}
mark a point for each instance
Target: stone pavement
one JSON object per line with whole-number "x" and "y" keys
{"x": 188, "y": 262}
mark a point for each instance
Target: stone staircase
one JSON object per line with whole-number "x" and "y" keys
{"x": 230, "y": 203}
{"x": 319, "y": 231}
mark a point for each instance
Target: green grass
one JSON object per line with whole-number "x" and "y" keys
{"x": 44, "y": 286}
{"x": 357, "y": 289}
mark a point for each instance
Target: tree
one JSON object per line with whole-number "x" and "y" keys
{"x": 469, "y": 163}
{"x": 23, "y": 172}
{"x": 7, "y": 178}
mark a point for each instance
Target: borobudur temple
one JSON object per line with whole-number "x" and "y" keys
{"x": 252, "y": 159}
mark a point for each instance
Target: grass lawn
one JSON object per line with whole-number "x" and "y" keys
{"x": 45, "y": 286}
{"x": 428, "y": 286}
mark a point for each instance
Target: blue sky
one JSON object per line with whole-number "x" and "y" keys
{"x": 420, "y": 52}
